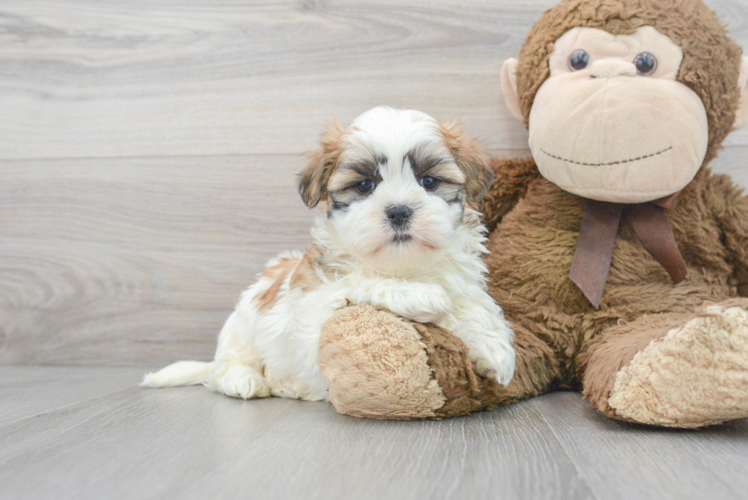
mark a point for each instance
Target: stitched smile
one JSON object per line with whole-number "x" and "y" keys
{"x": 638, "y": 158}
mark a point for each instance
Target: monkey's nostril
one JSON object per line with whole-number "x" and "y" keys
{"x": 398, "y": 215}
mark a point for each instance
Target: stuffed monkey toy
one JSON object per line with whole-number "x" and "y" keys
{"x": 619, "y": 257}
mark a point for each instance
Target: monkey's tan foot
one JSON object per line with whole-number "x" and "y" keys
{"x": 695, "y": 375}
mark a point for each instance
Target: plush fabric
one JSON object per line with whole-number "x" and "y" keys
{"x": 625, "y": 140}
{"x": 692, "y": 25}
{"x": 532, "y": 247}
{"x": 654, "y": 352}
{"x": 380, "y": 366}
{"x": 376, "y": 366}
{"x": 693, "y": 376}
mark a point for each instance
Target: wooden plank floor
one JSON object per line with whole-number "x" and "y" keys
{"x": 117, "y": 441}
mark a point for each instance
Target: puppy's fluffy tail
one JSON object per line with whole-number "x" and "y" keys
{"x": 180, "y": 373}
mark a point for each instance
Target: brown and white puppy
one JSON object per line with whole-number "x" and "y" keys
{"x": 398, "y": 232}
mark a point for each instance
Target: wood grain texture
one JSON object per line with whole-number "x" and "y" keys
{"x": 91, "y": 78}
{"x": 136, "y": 261}
{"x": 27, "y": 392}
{"x": 190, "y": 443}
{"x": 624, "y": 461}
{"x": 135, "y": 203}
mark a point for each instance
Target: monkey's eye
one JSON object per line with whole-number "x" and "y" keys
{"x": 579, "y": 60}
{"x": 365, "y": 186}
{"x": 646, "y": 63}
{"x": 429, "y": 183}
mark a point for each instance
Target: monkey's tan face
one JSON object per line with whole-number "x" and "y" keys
{"x": 611, "y": 123}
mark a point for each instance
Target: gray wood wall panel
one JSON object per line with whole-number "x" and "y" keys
{"x": 136, "y": 260}
{"x": 89, "y": 78}
{"x": 148, "y": 149}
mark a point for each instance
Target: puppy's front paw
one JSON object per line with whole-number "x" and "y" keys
{"x": 494, "y": 361}
{"x": 424, "y": 317}
{"x": 421, "y": 303}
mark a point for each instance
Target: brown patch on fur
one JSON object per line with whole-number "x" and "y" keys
{"x": 471, "y": 159}
{"x": 343, "y": 178}
{"x": 322, "y": 164}
{"x": 305, "y": 276}
{"x": 711, "y": 60}
{"x": 277, "y": 273}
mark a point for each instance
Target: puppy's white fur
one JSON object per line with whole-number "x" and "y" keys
{"x": 428, "y": 270}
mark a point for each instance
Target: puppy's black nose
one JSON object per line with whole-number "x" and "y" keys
{"x": 398, "y": 215}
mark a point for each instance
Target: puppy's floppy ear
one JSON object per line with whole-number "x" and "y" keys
{"x": 322, "y": 163}
{"x": 471, "y": 159}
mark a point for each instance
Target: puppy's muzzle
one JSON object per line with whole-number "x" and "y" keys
{"x": 399, "y": 215}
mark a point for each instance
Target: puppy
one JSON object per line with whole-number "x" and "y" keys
{"x": 398, "y": 232}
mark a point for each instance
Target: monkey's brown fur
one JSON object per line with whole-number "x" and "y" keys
{"x": 654, "y": 352}
{"x": 532, "y": 248}
{"x": 535, "y": 225}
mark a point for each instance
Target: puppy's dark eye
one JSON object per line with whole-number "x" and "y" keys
{"x": 429, "y": 183}
{"x": 579, "y": 60}
{"x": 365, "y": 186}
{"x": 646, "y": 63}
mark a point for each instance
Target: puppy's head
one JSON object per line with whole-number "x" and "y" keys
{"x": 396, "y": 184}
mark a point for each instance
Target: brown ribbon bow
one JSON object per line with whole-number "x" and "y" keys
{"x": 597, "y": 237}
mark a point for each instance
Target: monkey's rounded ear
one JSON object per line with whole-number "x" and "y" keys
{"x": 322, "y": 161}
{"x": 741, "y": 116}
{"x": 509, "y": 87}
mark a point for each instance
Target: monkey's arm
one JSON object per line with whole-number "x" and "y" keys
{"x": 512, "y": 176}
{"x": 731, "y": 210}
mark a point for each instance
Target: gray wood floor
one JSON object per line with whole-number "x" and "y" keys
{"x": 89, "y": 433}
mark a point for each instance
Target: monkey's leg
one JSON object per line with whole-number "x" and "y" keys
{"x": 673, "y": 370}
